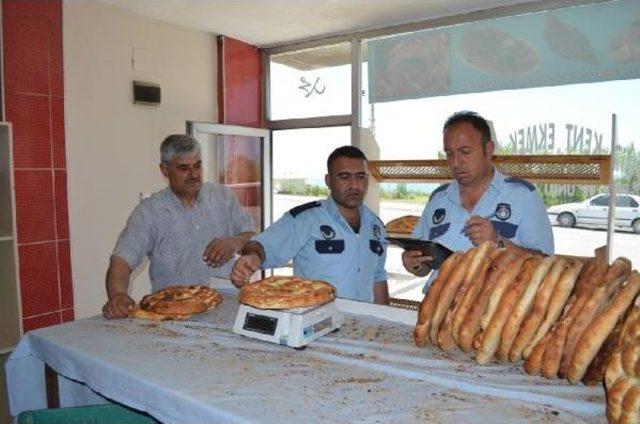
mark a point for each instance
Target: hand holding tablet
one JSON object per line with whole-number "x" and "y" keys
{"x": 428, "y": 248}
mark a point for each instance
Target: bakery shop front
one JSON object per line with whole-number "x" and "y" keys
{"x": 495, "y": 333}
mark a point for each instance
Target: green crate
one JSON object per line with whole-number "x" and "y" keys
{"x": 97, "y": 414}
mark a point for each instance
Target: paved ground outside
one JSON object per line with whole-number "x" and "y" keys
{"x": 568, "y": 241}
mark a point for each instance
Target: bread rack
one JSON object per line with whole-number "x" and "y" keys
{"x": 561, "y": 169}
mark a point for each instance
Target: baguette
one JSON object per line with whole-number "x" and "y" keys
{"x": 471, "y": 324}
{"x": 427, "y": 306}
{"x": 615, "y": 397}
{"x": 533, "y": 364}
{"x": 583, "y": 289}
{"x": 601, "y": 326}
{"x": 621, "y": 377}
{"x": 629, "y": 358}
{"x": 449, "y": 289}
{"x": 446, "y": 340}
{"x": 508, "y": 301}
{"x": 596, "y": 370}
{"x": 614, "y": 370}
{"x": 540, "y": 305}
{"x": 604, "y": 289}
{"x": 522, "y": 309}
{"x": 472, "y": 293}
{"x": 505, "y": 280}
{"x": 631, "y": 405}
{"x": 557, "y": 302}
{"x": 553, "y": 349}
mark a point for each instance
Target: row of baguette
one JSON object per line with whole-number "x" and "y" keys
{"x": 562, "y": 316}
{"x": 622, "y": 377}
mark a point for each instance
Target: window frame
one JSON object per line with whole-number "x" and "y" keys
{"x": 356, "y": 39}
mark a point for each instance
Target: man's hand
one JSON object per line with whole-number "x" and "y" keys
{"x": 415, "y": 262}
{"x": 119, "y": 306}
{"x": 219, "y": 251}
{"x": 479, "y": 229}
{"x": 244, "y": 268}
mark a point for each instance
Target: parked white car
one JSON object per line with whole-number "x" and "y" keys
{"x": 594, "y": 212}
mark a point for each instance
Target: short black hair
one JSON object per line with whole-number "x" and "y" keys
{"x": 345, "y": 151}
{"x": 472, "y": 118}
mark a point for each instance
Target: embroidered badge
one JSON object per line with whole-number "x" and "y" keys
{"x": 376, "y": 231}
{"x": 327, "y": 232}
{"x": 439, "y": 215}
{"x": 503, "y": 211}
{"x": 376, "y": 247}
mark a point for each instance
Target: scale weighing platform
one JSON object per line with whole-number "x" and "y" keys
{"x": 290, "y": 327}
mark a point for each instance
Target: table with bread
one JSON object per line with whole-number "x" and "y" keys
{"x": 368, "y": 371}
{"x": 498, "y": 337}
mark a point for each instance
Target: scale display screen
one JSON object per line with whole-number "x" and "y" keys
{"x": 260, "y": 324}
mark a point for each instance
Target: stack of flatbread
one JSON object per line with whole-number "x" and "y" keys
{"x": 176, "y": 303}
{"x": 559, "y": 314}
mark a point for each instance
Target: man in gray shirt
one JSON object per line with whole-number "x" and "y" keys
{"x": 189, "y": 230}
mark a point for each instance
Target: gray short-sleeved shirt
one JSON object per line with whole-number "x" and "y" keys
{"x": 175, "y": 237}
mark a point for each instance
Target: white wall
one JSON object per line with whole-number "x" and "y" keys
{"x": 112, "y": 144}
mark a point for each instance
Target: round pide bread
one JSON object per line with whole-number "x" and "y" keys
{"x": 403, "y": 225}
{"x": 285, "y": 292}
{"x": 181, "y": 300}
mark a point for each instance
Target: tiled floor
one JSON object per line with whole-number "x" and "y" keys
{"x": 5, "y": 418}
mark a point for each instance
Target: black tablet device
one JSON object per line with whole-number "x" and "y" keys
{"x": 429, "y": 248}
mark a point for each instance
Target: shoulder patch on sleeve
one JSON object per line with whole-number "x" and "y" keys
{"x": 443, "y": 187}
{"x": 299, "y": 209}
{"x": 516, "y": 180}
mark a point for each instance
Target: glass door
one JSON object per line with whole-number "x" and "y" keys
{"x": 240, "y": 158}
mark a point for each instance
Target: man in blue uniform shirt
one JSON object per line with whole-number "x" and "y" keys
{"x": 480, "y": 203}
{"x": 338, "y": 240}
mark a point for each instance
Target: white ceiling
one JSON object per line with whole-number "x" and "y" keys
{"x": 274, "y": 22}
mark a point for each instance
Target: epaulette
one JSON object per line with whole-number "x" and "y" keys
{"x": 299, "y": 209}
{"x": 516, "y": 180}
{"x": 443, "y": 187}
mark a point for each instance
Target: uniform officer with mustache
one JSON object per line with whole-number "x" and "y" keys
{"x": 480, "y": 203}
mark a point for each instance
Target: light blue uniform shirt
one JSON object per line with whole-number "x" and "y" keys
{"x": 174, "y": 237}
{"x": 324, "y": 247}
{"x": 515, "y": 209}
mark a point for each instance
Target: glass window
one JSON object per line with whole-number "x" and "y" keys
{"x": 543, "y": 120}
{"x": 625, "y": 202}
{"x": 525, "y": 121}
{"x": 536, "y": 92}
{"x": 308, "y": 83}
{"x": 600, "y": 201}
{"x": 235, "y": 161}
{"x": 300, "y": 164}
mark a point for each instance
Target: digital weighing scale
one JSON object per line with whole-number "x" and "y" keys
{"x": 290, "y": 327}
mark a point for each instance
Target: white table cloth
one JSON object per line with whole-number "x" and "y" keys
{"x": 199, "y": 371}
